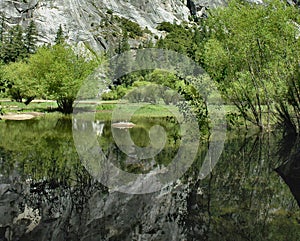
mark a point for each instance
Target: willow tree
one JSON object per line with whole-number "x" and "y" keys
{"x": 252, "y": 51}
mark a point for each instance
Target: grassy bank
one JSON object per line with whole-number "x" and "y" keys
{"x": 105, "y": 110}
{"x": 8, "y": 106}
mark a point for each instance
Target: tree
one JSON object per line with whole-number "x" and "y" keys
{"x": 2, "y": 27}
{"x": 251, "y": 50}
{"x": 31, "y": 38}
{"x": 2, "y": 34}
{"x": 61, "y": 73}
{"x": 180, "y": 38}
{"x": 123, "y": 44}
{"x": 54, "y": 72}
{"x": 24, "y": 85}
{"x": 60, "y": 37}
{"x": 14, "y": 47}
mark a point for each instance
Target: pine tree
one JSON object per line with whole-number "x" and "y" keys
{"x": 14, "y": 47}
{"x": 60, "y": 38}
{"x": 123, "y": 44}
{"x": 2, "y": 27}
{"x": 2, "y": 35}
{"x": 31, "y": 38}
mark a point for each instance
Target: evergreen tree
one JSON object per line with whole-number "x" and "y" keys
{"x": 31, "y": 38}
{"x": 2, "y": 27}
{"x": 124, "y": 63}
{"x": 60, "y": 37}
{"x": 14, "y": 47}
{"x": 123, "y": 44}
{"x": 2, "y": 35}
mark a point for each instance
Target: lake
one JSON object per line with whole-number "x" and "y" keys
{"x": 48, "y": 193}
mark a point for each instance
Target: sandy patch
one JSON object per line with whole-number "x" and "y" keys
{"x": 21, "y": 116}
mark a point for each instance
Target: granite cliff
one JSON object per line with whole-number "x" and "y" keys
{"x": 96, "y": 22}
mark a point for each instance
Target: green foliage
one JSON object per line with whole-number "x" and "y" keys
{"x": 115, "y": 93}
{"x": 251, "y": 50}
{"x": 24, "y": 84}
{"x": 15, "y": 42}
{"x": 109, "y": 11}
{"x": 161, "y": 85}
{"x": 178, "y": 40}
{"x": 61, "y": 72}
{"x": 53, "y": 72}
{"x": 123, "y": 44}
{"x": 166, "y": 26}
{"x": 181, "y": 38}
{"x": 13, "y": 47}
{"x": 60, "y": 37}
{"x": 133, "y": 29}
{"x": 31, "y": 38}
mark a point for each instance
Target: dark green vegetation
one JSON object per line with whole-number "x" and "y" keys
{"x": 16, "y": 43}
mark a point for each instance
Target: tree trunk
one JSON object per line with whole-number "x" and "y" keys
{"x": 65, "y": 105}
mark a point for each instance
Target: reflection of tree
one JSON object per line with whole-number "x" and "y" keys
{"x": 243, "y": 197}
{"x": 290, "y": 169}
{"x": 41, "y": 149}
{"x": 140, "y": 136}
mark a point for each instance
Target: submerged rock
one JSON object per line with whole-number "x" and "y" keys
{"x": 123, "y": 125}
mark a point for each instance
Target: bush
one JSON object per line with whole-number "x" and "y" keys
{"x": 165, "y": 26}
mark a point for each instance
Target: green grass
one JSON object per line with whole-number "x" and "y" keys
{"x": 17, "y": 107}
{"x": 105, "y": 111}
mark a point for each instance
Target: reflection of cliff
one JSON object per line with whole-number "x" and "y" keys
{"x": 48, "y": 195}
{"x": 16, "y": 217}
{"x": 89, "y": 212}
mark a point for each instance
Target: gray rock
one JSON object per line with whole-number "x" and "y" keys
{"x": 84, "y": 20}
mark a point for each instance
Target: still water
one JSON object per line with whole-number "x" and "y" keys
{"x": 47, "y": 194}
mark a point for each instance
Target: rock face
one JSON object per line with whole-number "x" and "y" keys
{"x": 89, "y": 21}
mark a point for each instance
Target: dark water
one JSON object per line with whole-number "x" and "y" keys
{"x": 47, "y": 194}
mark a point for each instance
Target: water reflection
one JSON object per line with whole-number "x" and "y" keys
{"x": 45, "y": 192}
{"x": 290, "y": 169}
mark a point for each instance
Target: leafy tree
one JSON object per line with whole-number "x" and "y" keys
{"x": 181, "y": 38}
{"x": 251, "y": 50}
{"x": 55, "y": 72}
{"x": 61, "y": 73}
{"x": 24, "y": 85}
